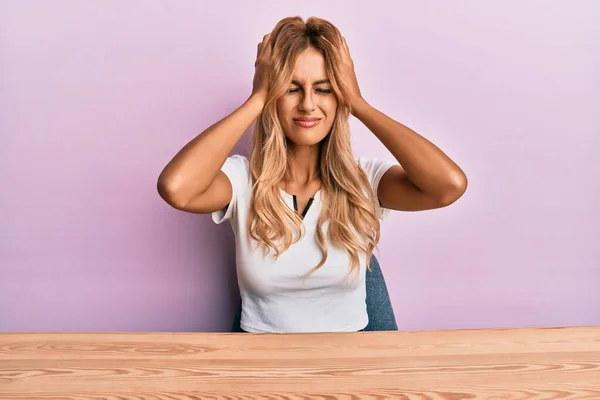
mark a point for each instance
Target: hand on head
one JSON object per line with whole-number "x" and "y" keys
{"x": 261, "y": 67}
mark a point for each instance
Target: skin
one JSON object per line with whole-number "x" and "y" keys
{"x": 425, "y": 177}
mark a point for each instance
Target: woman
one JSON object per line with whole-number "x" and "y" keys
{"x": 304, "y": 210}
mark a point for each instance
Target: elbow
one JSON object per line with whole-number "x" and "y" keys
{"x": 169, "y": 189}
{"x": 457, "y": 186}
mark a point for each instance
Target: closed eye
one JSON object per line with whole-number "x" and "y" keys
{"x": 294, "y": 90}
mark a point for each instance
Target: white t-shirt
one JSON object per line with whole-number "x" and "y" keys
{"x": 275, "y": 297}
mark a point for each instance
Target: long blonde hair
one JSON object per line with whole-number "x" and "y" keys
{"x": 348, "y": 201}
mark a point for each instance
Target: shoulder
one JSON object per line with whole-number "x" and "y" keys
{"x": 237, "y": 165}
{"x": 374, "y": 168}
{"x": 237, "y": 161}
{"x": 237, "y": 169}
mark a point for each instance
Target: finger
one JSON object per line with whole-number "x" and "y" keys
{"x": 260, "y": 45}
{"x": 266, "y": 49}
{"x": 346, "y": 44}
{"x": 266, "y": 38}
{"x": 346, "y": 49}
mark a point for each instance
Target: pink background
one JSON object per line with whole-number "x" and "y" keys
{"x": 97, "y": 96}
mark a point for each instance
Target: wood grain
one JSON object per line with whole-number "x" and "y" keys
{"x": 488, "y": 364}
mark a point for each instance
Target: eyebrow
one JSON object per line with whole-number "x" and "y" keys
{"x": 320, "y": 81}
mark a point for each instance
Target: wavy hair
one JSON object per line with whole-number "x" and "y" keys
{"x": 348, "y": 201}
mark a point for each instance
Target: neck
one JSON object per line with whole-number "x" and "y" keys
{"x": 303, "y": 164}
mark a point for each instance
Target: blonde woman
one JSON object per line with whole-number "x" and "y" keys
{"x": 305, "y": 211}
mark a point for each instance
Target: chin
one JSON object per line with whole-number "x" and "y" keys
{"x": 306, "y": 140}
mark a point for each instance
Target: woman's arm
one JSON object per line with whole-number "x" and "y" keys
{"x": 193, "y": 181}
{"x": 426, "y": 177}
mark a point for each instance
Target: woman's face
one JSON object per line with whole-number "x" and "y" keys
{"x": 307, "y": 111}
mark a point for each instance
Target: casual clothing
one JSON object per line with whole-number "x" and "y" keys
{"x": 274, "y": 294}
{"x": 379, "y": 305}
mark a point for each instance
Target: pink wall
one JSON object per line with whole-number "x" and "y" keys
{"x": 95, "y": 97}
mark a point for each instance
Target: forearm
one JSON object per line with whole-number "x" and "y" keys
{"x": 427, "y": 167}
{"x": 196, "y": 165}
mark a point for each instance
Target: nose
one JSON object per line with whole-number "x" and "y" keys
{"x": 307, "y": 104}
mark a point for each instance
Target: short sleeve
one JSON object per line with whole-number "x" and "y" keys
{"x": 237, "y": 170}
{"x": 375, "y": 168}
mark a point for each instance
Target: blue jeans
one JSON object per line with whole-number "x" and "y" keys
{"x": 379, "y": 306}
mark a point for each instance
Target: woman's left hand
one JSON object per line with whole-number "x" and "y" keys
{"x": 350, "y": 76}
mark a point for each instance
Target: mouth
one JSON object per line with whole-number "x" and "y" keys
{"x": 307, "y": 122}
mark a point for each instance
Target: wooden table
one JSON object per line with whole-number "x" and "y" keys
{"x": 544, "y": 363}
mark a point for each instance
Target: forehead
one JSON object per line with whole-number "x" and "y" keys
{"x": 310, "y": 66}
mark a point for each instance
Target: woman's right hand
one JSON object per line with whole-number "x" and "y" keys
{"x": 261, "y": 67}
